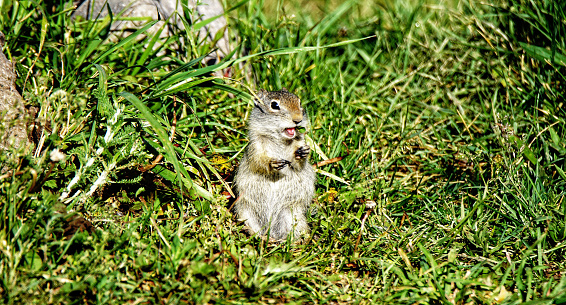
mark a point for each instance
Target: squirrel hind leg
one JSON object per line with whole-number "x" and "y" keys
{"x": 280, "y": 226}
{"x": 286, "y": 222}
{"x": 251, "y": 219}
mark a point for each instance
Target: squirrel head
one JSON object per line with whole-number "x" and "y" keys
{"x": 279, "y": 112}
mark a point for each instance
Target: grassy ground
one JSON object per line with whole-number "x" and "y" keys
{"x": 448, "y": 117}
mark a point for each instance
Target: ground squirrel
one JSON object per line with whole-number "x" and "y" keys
{"x": 275, "y": 182}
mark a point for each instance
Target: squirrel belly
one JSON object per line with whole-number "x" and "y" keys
{"x": 275, "y": 182}
{"x": 275, "y": 203}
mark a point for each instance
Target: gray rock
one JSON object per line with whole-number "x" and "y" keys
{"x": 208, "y": 9}
{"x": 163, "y": 10}
{"x": 13, "y": 121}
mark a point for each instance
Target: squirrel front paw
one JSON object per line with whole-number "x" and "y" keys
{"x": 302, "y": 152}
{"x": 279, "y": 164}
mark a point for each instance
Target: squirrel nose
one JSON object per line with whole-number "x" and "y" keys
{"x": 297, "y": 122}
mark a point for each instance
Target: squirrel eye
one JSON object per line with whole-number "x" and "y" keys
{"x": 275, "y": 105}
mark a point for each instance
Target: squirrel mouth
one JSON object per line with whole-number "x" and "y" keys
{"x": 290, "y": 132}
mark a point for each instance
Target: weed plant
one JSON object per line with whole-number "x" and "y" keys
{"x": 442, "y": 125}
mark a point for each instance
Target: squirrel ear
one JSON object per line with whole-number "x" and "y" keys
{"x": 284, "y": 89}
{"x": 261, "y": 94}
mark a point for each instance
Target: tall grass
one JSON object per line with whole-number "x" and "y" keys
{"x": 446, "y": 117}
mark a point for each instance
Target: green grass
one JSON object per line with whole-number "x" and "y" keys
{"x": 449, "y": 115}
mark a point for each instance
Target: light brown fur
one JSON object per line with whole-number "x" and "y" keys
{"x": 275, "y": 182}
